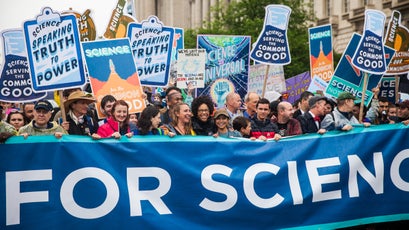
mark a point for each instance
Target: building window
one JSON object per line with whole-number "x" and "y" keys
{"x": 346, "y": 6}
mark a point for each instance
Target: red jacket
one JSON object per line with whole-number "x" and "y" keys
{"x": 110, "y": 127}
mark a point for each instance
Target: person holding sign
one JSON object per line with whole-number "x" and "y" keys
{"x": 342, "y": 117}
{"x": 41, "y": 124}
{"x": 118, "y": 124}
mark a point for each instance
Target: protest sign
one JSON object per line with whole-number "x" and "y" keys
{"x": 397, "y": 37}
{"x": 272, "y": 44}
{"x": 191, "y": 68}
{"x": 15, "y": 77}
{"x": 227, "y": 66}
{"x": 388, "y": 88}
{"x": 370, "y": 55}
{"x": 154, "y": 182}
{"x": 118, "y": 24}
{"x": 275, "y": 81}
{"x": 54, "y": 51}
{"x": 86, "y": 25}
{"x": 151, "y": 44}
{"x": 112, "y": 71}
{"x": 348, "y": 78}
{"x": 317, "y": 85}
{"x": 321, "y": 61}
{"x": 297, "y": 85}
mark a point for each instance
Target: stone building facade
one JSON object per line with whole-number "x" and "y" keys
{"x": 345, "y": 16}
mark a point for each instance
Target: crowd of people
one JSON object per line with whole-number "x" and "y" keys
{"x": 256, "y": 118}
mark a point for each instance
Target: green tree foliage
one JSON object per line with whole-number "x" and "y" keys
{"x": 246, "y": 17}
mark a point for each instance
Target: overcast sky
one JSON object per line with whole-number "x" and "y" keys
{"x": 15, "y": 12}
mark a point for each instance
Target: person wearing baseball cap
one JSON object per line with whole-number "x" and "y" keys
{"x": 41, "y": 124}
{"x": 342, "y": 117}
{"x": 221, "y": 121}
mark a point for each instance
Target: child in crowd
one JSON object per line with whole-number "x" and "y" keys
{"x": 243, "y": 126}
{"x": 221, "y": 120}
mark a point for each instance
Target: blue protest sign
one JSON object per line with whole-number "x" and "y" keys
{"x": 272, "y": 44}
{"x": 370, "y": 55}
{"x": 227, "y": 66}
{"x": 349, "y": 78}
{"x": 152, "y": 44}
{"x": 54, "y": 51}
{"x": 15, "y": 78}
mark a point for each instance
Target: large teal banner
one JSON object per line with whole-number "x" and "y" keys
{"x": 307, "y": 182}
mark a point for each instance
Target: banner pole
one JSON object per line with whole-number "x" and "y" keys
{"x": 397, "y": 95}
{"x": 361, "y": 107}
{"x": 62, "y": 108}
{"x": 265, "y": 81}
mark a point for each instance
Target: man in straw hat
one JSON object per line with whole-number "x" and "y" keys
{"x": 80, "y": 122}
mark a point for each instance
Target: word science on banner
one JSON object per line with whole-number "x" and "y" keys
{"x": 54, "y": 51}
{"x": 272, "y": 44}
{"x": 79, "y": 183}
{"x": 15, "y": 77}
{"x": 151, "y": 44}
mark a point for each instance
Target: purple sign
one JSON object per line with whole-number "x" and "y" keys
{"x": 296, "y": 85}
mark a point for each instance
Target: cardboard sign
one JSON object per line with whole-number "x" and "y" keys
{"x": 54, "y": 51}
{"x": 191, "y": 68}
{"x": 275, "y": 79}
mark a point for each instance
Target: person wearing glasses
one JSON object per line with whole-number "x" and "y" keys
{"x": 202, "y": 111}
{"x": 41, "y": 124}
